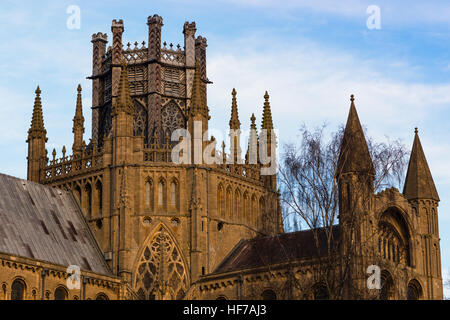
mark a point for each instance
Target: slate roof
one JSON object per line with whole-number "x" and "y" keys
{"x": 271, "y": 250}
{"x": 44, "y": 223}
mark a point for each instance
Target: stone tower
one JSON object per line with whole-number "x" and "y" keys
{"x": 161, "y": 224}
{"x": 421, "y": 193}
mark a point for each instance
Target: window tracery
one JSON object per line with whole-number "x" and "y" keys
{"x": 161, "y": 272}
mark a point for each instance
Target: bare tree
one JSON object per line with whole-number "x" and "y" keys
{"x": 309, "y": 186}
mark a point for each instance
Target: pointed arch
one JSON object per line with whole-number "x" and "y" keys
{"x": 395, "y": 236}
{"x": 237, "y": 204}
{"x": 18, "y": 289}
{"x": 229, "y": 202}
{"x": 254, "y": 213}
{"x": 149, "y": 193}
{"x": 414, "y": 290}
{"x": 98, "y": 199}
{"x": 387, "y": 286}
{"x": 245, "y": 206}
{"x": 220, "y": 200}
{"x": 140, "y": 119}
{"x": 174, "y": 193}
{"x": 88, "y": 197}
{"x": 162, "y": 194}
{"x": 161, "y": 271}
{"x": 172, "y": 118}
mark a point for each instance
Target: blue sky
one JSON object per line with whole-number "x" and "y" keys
{"x": 310, "y": 56}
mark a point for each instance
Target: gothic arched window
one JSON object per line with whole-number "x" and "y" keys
{"x": 88, "y": 207}
{"x": 254, "y": 213}
{"x": 269, "y": 295}
{"x": 161, "y": 271}
{"x": 99, "y": 197}
{"x": 149, "y": 194}
{"x": 245, "y": 206}
{"x": 237, "y": 203}
{"x": 321, "y": 292}
{"x": 172, "y": 118}
{"x": 387, "y": 286}
{"x": 174, "y": 193}
{"x": 18, "y": 290}
{"x": 414, "y": 290}
{"x": 102, "y": 296}
{"x": 60, "y": 293}
{"x": 162, "y": 194}
{"x": 220, "y": 200}
{"x": 229, "y": 204}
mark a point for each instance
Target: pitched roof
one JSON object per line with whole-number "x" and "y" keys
{"x": 44, "y": 223}
{"x": 419, "y": 182}
{"x": 271, "y": 250}
{"x": 354, "y": 154}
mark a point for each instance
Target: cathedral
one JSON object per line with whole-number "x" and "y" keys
{"x": 118, "y": 217}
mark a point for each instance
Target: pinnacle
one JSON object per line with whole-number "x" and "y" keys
{"x": 234, "y": 121}
{"x": 252, "y": 119}
{"x": 198, "y": 99}
{"x": 37, "y": 129}
{"x": 419, "y": 181}
{"x": 354, "y": 155}
{"x": 124, "y": 102}
{"x": 267, "y": 114}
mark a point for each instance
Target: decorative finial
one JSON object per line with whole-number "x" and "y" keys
{"x": 352, "y": 98}
{"x": 233, "y": 92}
{"x": 416, "y": 131}
{"x": 79, "y": 88}
{"x": 266, "y": 96}
{"x": 38, "y": 90}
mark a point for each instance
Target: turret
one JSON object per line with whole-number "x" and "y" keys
{"x": 189, "y": 30}
{"x": 355, "y": 177}
{"x": 117, "y": 30}
{"x": 355, "y": 172}
{"x": 421, "y": 193}
{"x": 37, "y": 137}
{"x": 155, "y": 24}
{"x": 78, "y": 124}
{"x": 99, "y": 41}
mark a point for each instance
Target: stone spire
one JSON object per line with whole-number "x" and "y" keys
{"x": 78, "y": 123}
{"x": 198, "y": 100}
{"x": 234, "y": 121}
{"x": 354, "y": 155}
{"x": 252, "y": 143}
{"x": 419, "y": 183}
{"x": 124, "y": 103}
{"x": 267, "y": 114}
{"x": 37, "y": 129}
